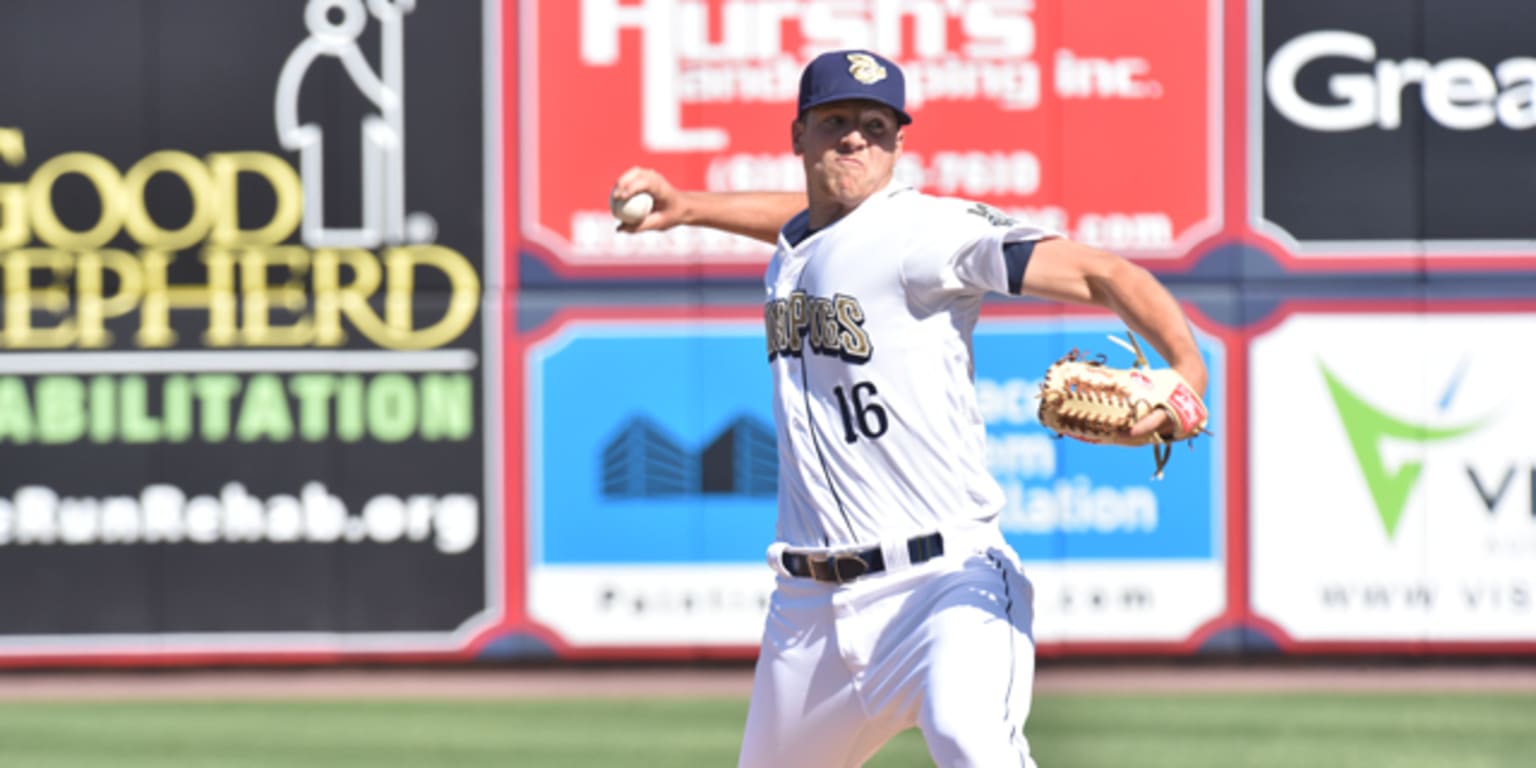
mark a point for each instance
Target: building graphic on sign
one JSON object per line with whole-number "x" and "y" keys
{"x": 645, "y": 461}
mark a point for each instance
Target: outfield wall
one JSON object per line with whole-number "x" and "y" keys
{"x": 317, "y": 343}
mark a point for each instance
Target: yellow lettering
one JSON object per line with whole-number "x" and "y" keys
{"x": 463, "y": 300}
{"x": 217, "y": 296}
{"x": 15, "y": 231}
{"x": 853, "y": 338}
{"x": 226, "y": 168}
{"x": 13, "y": 146}
{"x": 93, "y": 305}
{"x": 14, "y": 228}
{"x": 773, "y": 327}
{"x": 142, "y": 227}
{"x": 332, "y": 299}
{"x": 259, "y": 297}
{"x": 22, "y": 299}
{"x": 108, "y": 185}
{"x": 256, "y": 290}
{"x": 799, "y": 318}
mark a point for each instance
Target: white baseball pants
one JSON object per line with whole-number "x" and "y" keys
{"x": 945, "y": 645}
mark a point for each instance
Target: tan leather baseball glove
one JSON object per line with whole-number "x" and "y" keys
{"x": 1090, "y": 401}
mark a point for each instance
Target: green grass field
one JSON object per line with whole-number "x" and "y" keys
{"x": 1077, "y": 730}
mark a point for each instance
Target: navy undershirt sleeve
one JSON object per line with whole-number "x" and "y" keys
{"x": 1016, "y": 258}
{"x": 798, "y": 228}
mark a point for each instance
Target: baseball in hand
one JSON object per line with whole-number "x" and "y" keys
{"x": 633, "y": 209}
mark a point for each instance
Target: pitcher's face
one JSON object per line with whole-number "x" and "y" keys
{"x": 849, "y": 149}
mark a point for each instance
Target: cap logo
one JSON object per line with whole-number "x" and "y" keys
{"x": 865, "y": 69}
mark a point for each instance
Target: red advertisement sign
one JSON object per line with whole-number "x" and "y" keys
{"x": 1096, "y": 117}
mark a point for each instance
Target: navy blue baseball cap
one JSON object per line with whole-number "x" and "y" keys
{"x": 856, "y": 74}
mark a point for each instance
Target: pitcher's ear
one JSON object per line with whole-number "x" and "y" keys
{"x": 796, "y": 130}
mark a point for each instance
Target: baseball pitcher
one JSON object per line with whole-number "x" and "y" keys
{"x": 898, "y": 602}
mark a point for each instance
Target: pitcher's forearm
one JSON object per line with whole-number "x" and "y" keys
{"x": 758, "y": 215}
{"x": 1149, "y": 309}
{"x": 1065, "y": 270}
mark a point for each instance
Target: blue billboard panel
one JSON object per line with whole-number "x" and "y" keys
{"x": 651, "y": 442}
{"x": 652, "y": 469}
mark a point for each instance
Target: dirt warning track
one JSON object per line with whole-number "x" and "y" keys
{"x": 721, "y": 681}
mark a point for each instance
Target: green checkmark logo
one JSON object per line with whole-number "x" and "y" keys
{"x": 1366, "y": 425}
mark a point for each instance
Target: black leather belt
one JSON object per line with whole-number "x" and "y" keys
{"x": 843, "y": 567}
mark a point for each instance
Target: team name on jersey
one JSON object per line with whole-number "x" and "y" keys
{"x": 832, "y": 326}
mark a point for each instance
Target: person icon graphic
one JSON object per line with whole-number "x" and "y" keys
{"x": 334, "y": 29}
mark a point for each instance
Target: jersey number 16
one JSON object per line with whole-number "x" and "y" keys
{"x": 860, "y": 414}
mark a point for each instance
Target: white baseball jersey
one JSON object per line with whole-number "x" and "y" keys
{"x": 869, "y": 327}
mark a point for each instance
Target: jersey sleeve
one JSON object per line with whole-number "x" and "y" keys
{"x": 968, "y": 254}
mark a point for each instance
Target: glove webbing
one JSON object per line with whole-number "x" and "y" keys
{"x": 1086, "y": 424}
{"x": 1162, "y": 451}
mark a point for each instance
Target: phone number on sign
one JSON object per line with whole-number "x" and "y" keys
{"x": 970, "y": 174}
{"x": 965, "y": 174}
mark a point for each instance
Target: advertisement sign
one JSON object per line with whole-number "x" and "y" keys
{"x": 651, "y": 504}
{"x": 1098, "y": 130}
{"x": 652, "y": 472}
{"x": 1382, "y": 131}
{"x": 245, "y": 359}
{"x": 1391, "y": 495}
